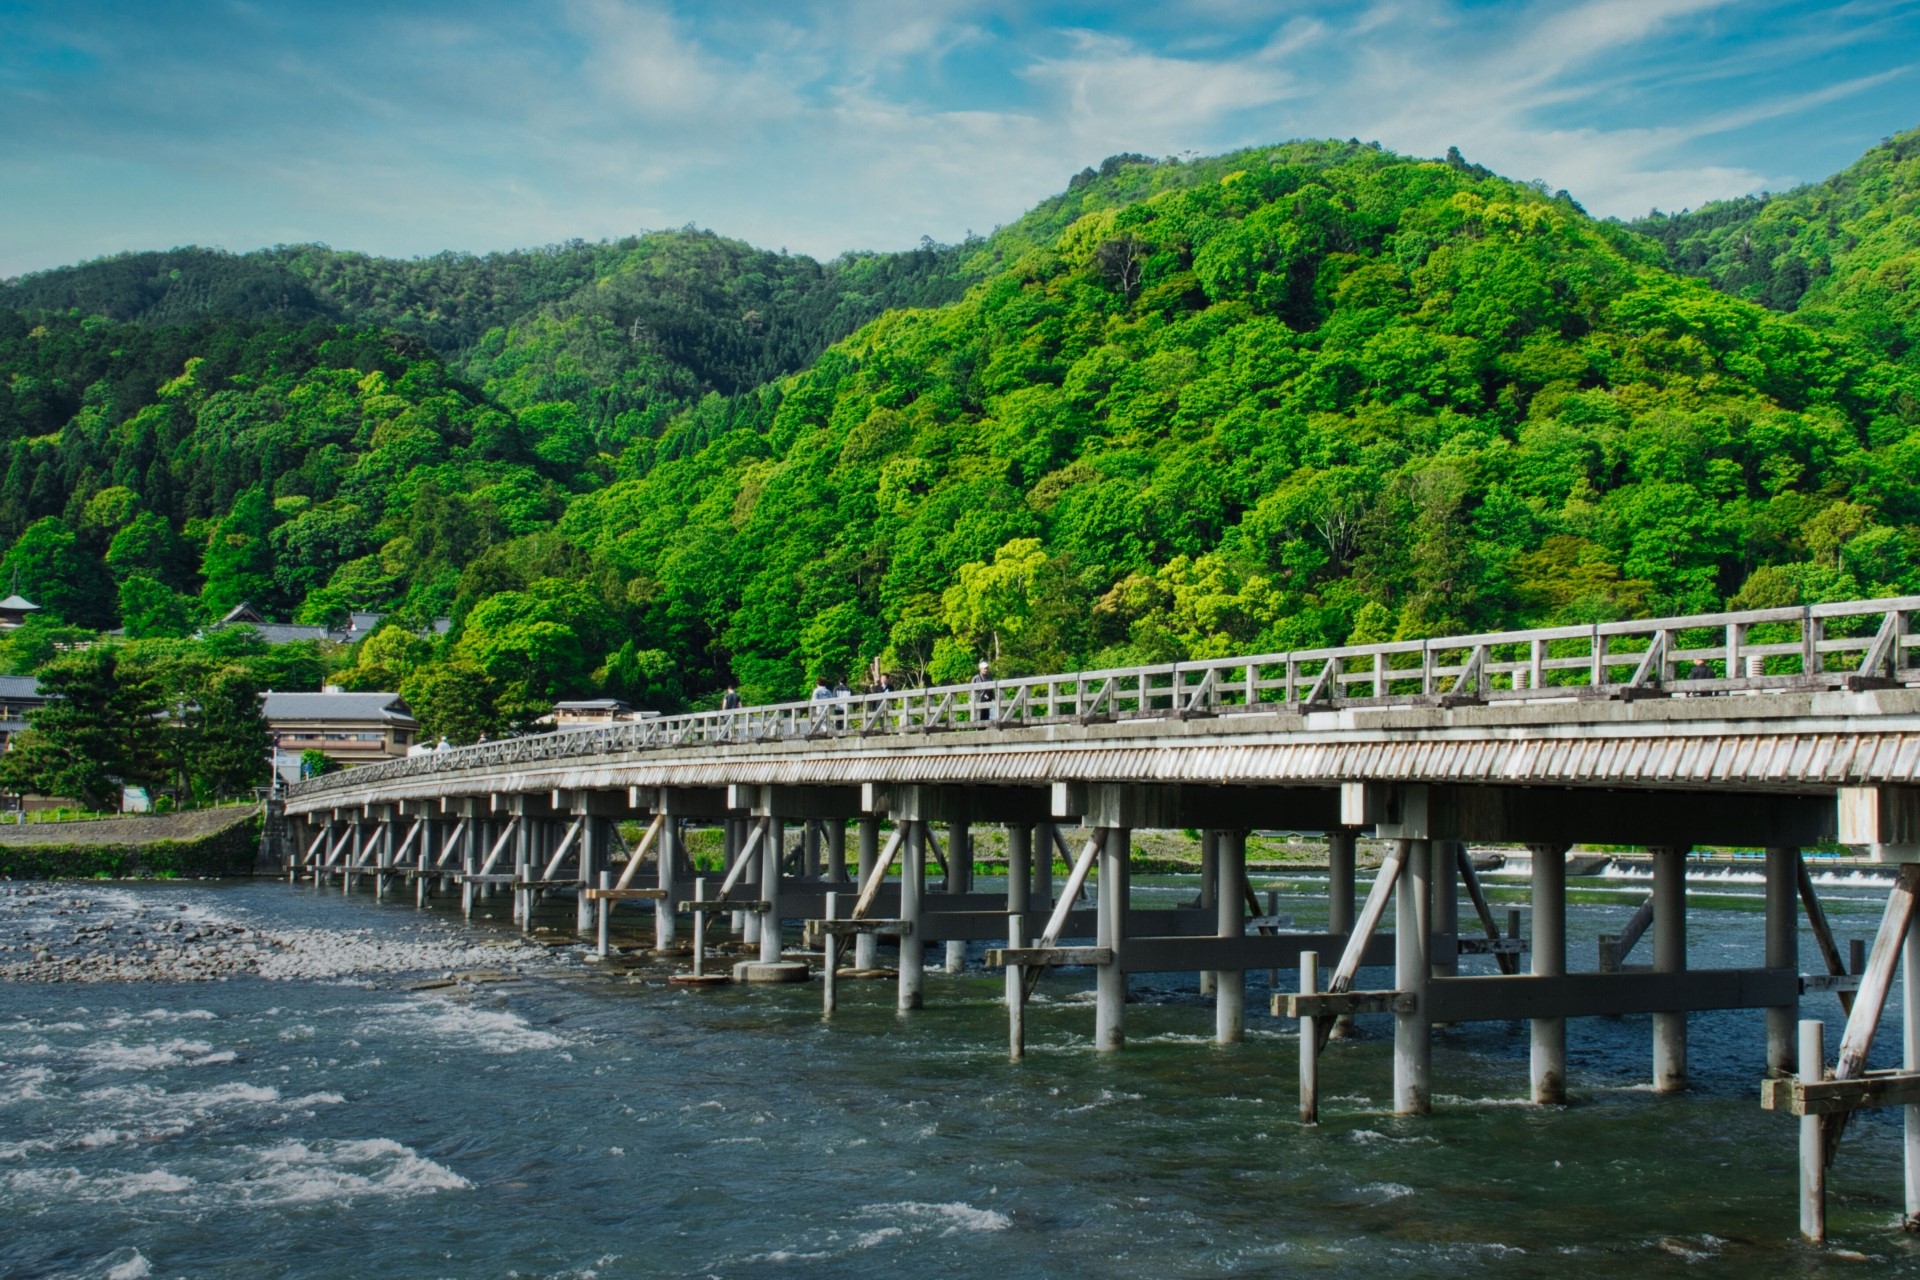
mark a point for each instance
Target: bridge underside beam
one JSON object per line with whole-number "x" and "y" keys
{"x": 1549, "y": 815}
{"x": 796, "y": 803}
{"x": 1170, "y": 806}
{"x": 948, "y": 802}
{"x": 680, "y": 802}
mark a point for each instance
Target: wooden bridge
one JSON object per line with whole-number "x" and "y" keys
{"x": 1776, "y": 729}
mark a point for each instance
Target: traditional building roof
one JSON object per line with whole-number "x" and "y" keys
{"x": 360, "y": 625}
{"x": 592, "y": 704}
{"x": 17, "y": 603}
{"x": 289, "y": 632}
{"x": 19, "y": 688}
{"x": 363, "y": 708}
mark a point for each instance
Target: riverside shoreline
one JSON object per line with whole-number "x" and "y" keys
{"x": 70, "y": 932}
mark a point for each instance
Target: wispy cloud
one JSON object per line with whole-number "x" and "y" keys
{"x": 823, "y": 126}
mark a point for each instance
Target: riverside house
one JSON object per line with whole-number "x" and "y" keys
{"x": 350, "y": 728}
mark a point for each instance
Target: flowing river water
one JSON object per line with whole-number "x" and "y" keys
{"x": 580, "y": 1123}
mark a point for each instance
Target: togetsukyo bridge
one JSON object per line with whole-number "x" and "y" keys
{"x": 1775, "y": 729}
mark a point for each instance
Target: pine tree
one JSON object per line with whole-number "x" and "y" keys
{"x": 99, "y": 731}
{"x": 230, "y": 740}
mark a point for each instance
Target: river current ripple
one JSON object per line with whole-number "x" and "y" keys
{"x": 569, "y": 1123}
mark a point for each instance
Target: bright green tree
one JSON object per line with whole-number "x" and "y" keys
{"x": 238, "y": 565}
{"x": 48, "y": 567}
{"x": 149, "y": 609}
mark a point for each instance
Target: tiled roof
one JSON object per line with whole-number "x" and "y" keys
{"x": 17, "y": 687}
{"x": 372, "y": 708}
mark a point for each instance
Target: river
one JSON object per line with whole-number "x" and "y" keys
{"x": 580, "y": 1123}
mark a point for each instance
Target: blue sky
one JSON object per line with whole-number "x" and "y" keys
{"x": 409, "y": 128}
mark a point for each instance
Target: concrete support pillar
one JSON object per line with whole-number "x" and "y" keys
{"x": 734, "y": 839}
{"x": 1669, "y": 956}
{"x": 755, "y": 879}
{"x": 1209, "y": 889}
{"x": 959, "y": 880}
{"x": 913, "y": 887}
{"x": 326, "y": 848}
{"x": 810, "y": 850}
{"x": 667, "y": 849}
{"x": 1019, "y": 878}
{"x": 1043, "y": 866}
{"x": 771, "y": 853}
{"x": 525, "y": 836}
{"x": 1019, "y": 869}
{"x": 1783, "y": 952}
{"x": 837, "y": 850}
{"x": 1910, "y": 1016}
{"x": 1412, "y": 931}
{"x": 383, "y": 856}
{"x": 423, "y": 860}
{"x": 1110, "y": 983}
{"x": 591, "y": 846}
{"x": 1549, "y": 955}
{"x": 468, "y": 864}
{"x": 1230, "y": 994}
{"x": 866, "y": 947}
{"x": 1446, "y": 903}
{"x": 1813, "y": 1145}
{"x": 1342, "y": 855}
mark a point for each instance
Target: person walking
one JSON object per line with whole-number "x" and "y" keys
{"x": 822, "y": 699}
{"x": 983, "y": 693}
{"x": 730, "y": 700}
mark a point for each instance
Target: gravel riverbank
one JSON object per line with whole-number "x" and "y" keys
{"x": 66, "y": 933}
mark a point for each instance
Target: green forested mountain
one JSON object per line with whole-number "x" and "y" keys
{"x": 628, "y": 330}
{"x": 1844, "y": 253}
{"x": 1290, "y": 396}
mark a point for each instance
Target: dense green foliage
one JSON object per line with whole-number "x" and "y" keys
{"x": 1845, "y": 252}
{"x": 1286, "y": 397}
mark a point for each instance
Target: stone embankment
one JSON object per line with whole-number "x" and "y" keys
{"x": 59, "y": 933}
{"x": 197, "y": 842}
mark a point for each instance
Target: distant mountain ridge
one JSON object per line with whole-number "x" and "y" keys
{"x": 1845, "y": 251}
{"x": 654, "y": 319}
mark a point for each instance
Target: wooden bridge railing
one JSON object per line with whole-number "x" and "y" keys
{"x": 1857, "y": 644}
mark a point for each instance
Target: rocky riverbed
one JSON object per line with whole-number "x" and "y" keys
{"x": 68, "y": 933}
